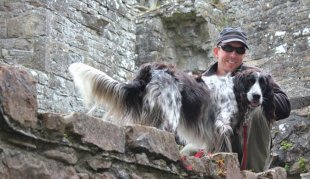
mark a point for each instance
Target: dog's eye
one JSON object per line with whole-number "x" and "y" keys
{"x": 251, "y": 79}
{"x": 262, "y": 81}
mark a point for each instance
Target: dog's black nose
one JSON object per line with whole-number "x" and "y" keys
{"x": 256, "y": 96}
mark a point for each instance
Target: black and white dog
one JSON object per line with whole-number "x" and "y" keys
{"x": 203, "y": 111}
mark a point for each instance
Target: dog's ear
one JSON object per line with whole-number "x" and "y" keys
{"x": 267, "y": 83}
{"x": 144, "y": 73}
{"x": 268, "y": 102}
{"x": 240, "y": 80}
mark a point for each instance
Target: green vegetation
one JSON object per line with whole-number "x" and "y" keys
{"x": 285, "y": 145}
{"x": 287, "y": 167}
{"x": 302, "y": 164}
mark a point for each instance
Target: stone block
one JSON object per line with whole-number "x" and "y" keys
{"x": 142, "y": 159}
{"x": 248, "y": 175}
{"x": 105, "y": 175}
{"x": 152, "y": 140}
{"x": 93, "y": 22}
{"x": 217, "y": 165}
{"x": 64, "y": 154}
{"x": 196, "y": 165}
{"x": 305, "y": 175}
{"x": 26, "y": 166}
{"x": 105, "y": 135}
{"x": 18, "y": 95}
{"x": 227, "y": 164}
{"x": 4, "y": 171}
{"x": 40, "y": 54}
{"x": 57, "y": 54}
{"x": 98, "y": 163}
{"x": 23, "y": 165}
{"x": 3, "y": 30}
{"x": 30, "y": 24}
{"x": 274, "y": 173}
{"x": 53, "y": 121}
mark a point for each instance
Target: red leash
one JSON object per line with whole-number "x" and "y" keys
{"x": 244, "y": 148}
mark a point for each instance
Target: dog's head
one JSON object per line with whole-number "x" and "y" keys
{"x": 252, "y": 89}
{"x": 248, "y": 87}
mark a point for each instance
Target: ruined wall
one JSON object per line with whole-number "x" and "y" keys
{"x": 177, "y": 33}
{"x": 47, "y": 36}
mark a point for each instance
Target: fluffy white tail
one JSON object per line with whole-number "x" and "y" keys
{"x": 152, "y": 98}
{"x": 97, "y": 88}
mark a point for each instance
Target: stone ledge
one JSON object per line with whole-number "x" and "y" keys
{"x": 155, "y": 141}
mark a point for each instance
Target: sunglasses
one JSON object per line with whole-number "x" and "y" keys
{"x": 229, "y": 48}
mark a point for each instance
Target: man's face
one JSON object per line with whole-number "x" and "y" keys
{"x": 228, "y": 61}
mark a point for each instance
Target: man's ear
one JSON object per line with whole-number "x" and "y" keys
{"x": 215, "y": 51}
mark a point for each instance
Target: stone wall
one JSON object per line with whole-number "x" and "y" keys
{"x": 47, "y": 36}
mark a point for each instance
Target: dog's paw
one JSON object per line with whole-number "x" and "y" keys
{"x": 190, "y": 150}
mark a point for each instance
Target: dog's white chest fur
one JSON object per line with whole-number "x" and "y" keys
{"x": 222, "y": 94}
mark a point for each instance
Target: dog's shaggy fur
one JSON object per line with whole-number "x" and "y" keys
{"x": 253, "y": 89}
{"x": 203, "y": 111}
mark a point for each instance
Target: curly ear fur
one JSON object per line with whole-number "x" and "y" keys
{"x": 268, "y": 99}
{"x": 240, "y": 84}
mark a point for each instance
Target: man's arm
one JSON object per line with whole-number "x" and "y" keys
{"x": 282, "y": 104}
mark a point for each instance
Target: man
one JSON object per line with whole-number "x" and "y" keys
{"x": 230, "y": 51}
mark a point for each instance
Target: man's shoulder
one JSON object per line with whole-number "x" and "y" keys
{"x": 211, "y": 71}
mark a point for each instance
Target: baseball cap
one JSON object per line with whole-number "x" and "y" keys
{"x": 230, "y": 34}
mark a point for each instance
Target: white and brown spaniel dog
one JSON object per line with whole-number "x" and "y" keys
{"x": 203, "y": 111}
